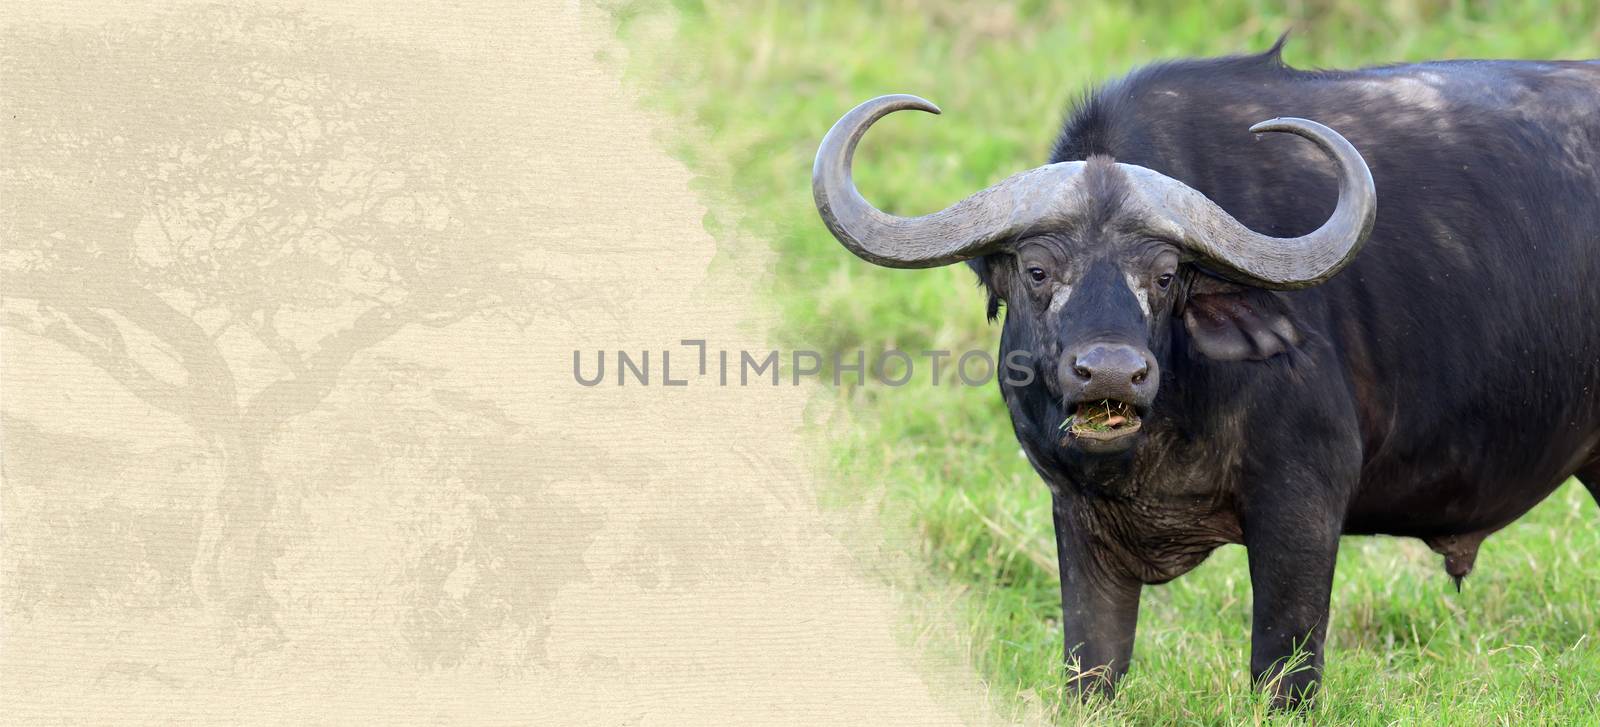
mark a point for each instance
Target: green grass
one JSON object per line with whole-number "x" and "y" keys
{"x": 757, "y": 85}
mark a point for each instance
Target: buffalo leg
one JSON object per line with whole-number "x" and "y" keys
{"x": 1589, "y": 475}
{"x": 1099, "y": 612}
{"x": 1292, "y": 547}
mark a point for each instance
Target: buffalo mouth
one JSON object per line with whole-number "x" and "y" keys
{"x": 1102, "y": 420}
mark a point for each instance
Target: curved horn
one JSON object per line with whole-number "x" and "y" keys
{"x": 1274, "y": 262}
{"x": 972, "y": 227}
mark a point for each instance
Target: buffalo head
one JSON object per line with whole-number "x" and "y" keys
{"x": 1094, "y": 258}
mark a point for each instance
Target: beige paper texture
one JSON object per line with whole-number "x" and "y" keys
{"x": 290, "y": 428}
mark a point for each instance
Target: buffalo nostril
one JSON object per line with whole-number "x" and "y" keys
{"x": 1109, "y": 369}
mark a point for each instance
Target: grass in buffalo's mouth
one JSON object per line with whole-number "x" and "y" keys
{"x": 1100, "y": 417}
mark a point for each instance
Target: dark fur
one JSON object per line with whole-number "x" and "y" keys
{"x": 1438, "y": 388}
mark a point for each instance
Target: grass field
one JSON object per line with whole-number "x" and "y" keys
{"x": 761, "y": 81}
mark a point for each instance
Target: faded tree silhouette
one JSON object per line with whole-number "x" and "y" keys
{"x": 220, "y": 208}
{"x": 481, "y": 542}
{"x": 78, "y": 537}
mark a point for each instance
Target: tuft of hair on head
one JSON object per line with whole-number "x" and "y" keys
{"x": 1105, "y": 189}
{"x": 1275, "y": 53}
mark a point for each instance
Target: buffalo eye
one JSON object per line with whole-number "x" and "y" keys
{"x": 1164, "y": 280}
{"x": 1037, "y": 274}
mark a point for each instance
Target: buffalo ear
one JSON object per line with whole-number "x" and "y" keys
{"x": 991, "y": 273}
{"x": 1232, "y": 322}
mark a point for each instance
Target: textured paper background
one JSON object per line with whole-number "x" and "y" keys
{"x": 290, "y": 430}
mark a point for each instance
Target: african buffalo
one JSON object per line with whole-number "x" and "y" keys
{"x": 1239, "y": 342}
